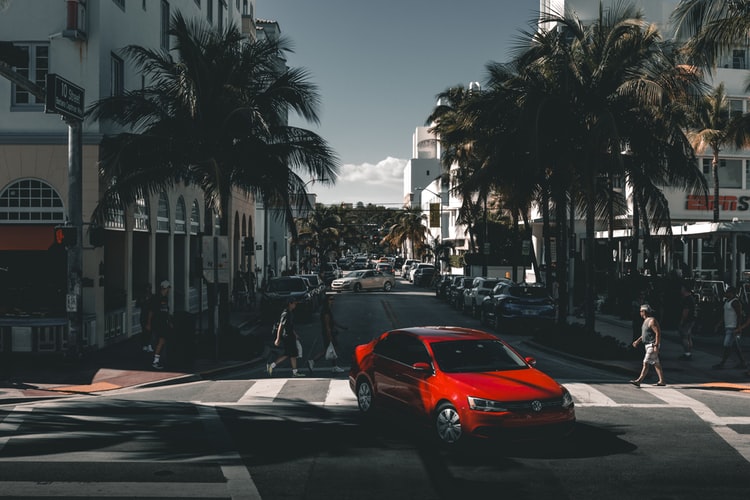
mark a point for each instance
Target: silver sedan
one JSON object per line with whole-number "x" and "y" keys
{"x": 364, "y": 279}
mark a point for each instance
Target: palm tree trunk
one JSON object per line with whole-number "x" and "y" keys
{"x": 715, "y": 175}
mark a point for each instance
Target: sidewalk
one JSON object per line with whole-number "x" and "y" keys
{"x": 697, "y": 372}
{"x": 124, "y": 364}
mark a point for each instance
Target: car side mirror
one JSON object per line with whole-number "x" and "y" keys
{"x": 421, "y": 366}
{"x": 530, "y": 360}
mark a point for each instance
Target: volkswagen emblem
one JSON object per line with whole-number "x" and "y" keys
{"x": 536, "y": 405}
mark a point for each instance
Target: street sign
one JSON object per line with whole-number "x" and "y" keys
{"x": 64, "y": 97}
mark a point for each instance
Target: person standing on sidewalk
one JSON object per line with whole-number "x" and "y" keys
{"x": 329, "y": 332}
{"x": 159, "y": 322}
{"x": 286, "y": 337}
{"x": 687, "y": 322}
{"x": 144, "y": 302}
{"x": 732, "y": 320}
{"x": 651, "y": 339}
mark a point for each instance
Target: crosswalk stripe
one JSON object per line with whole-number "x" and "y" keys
{"x": 339, "y": 394}
{"x": 263, "y": 390}
{"x": 585, "y": 395}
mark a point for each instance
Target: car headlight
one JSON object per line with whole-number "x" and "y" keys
{"x": 480, "y": 404}
{"x": 567, "y": 400}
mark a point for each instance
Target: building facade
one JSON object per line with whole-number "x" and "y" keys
{"x": 162, "y": 237}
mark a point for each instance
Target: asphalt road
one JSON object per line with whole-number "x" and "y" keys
{"x": 245, "y": 435}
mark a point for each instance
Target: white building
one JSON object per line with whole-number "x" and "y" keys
{"x": 80, "y": 41}
{"x": 706, "y": 249}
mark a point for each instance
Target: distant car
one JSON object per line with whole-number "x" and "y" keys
{"x": 473, "y": 297}
{"x": 457, "y": 292}
{"x": 364, "y": 279}
{"x": 384, "y": 267}
{"x": 414, "y": 267}
{"x": 278, "y": 291}
{"x": 330, "y": 271}
{"x": 523, "y": 305}
{"x": 460, "y": 382}
{"x": 423, "y": 276}
{"x": 442, "y": 285}
{"x": 360, "y": 263}
{"x": 406, "y": 266}
{"x": 317, "y": 288}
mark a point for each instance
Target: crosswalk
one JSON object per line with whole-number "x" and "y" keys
{"x": 21, "y": 431}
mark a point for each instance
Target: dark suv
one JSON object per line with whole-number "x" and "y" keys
{"x": 277, "y": 293}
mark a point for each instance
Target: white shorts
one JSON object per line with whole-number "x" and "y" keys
{"x": 651, "y": 356}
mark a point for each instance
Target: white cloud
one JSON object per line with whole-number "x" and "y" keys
{"x": 382, "y": 184}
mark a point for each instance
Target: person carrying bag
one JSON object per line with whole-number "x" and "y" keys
{"x": 330, "y": 337}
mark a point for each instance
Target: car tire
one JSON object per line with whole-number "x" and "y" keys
{"x": 447, "y": 424}
{"x": 365, "y": 397}
{"x": 358, "y": 287}
{"x": 387, "y": 286}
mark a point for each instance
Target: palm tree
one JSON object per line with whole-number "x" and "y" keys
{"x": 713, "y": 127}
{"x": 711, "y": 27}
{"x": 409, "y": 226}
{"x": 215, "y": 115}
{"x": 321, "y": 231}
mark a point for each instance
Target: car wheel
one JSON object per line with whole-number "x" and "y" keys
{"x": 364, "y": 397}
{"x": 387, "y": 286}
{"x": 358, "y": 287}
{"x": 448, "y": 424}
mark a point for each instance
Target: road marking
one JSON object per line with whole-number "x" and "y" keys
{"x": 11, "y": 423}
{"x": 239, "y": 482}
{"x": 720, "y": 425}
{"x": 586, "y": 395}
{"x": 264, "y": 389}
{"x": 339, "y": 394}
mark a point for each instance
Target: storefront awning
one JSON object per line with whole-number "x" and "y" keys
{"x": 26, "y": 236}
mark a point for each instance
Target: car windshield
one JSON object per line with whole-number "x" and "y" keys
{"x": 461, "y": 356}
{"x": 295, "y": 285}
{"x": 528, "y": 292}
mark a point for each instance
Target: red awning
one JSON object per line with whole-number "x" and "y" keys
{"x": 26, "y": 236}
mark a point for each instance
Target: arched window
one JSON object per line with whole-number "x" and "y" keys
{"x": 141, "y": 215}
{"x": 179, "y": 216}
{"x": 31, "y": 201}
{"x": 195, "y": 218}
{"x": 162, "y": 215}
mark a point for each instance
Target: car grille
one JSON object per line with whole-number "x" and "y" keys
{"x": 526, "y": 406}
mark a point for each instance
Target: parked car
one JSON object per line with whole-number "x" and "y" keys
{"x": 460, "y": 382}
{"x": 360, "y": 263}
{"x": 528, "y": 306}
{"x": 473, "y": 296}
{"x": 414, "y": 267}
{"x": 406, "y": 266}
{"x": 423, "y": 276}
{"x": 277, "y": 293}
{"x": 442, "y": 285}
{"x": 364, "y": 279}
{"x": 317, "y": 289}
{"x": 457, "y": 292}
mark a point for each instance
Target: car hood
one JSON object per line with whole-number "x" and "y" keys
{"x": 285, "y": 295}
{"x": 509, "y": 385}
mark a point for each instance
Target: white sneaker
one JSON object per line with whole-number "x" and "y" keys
{"x": 337, "y": 369}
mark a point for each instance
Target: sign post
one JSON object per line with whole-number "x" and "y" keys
{"x": 67, "y": 99}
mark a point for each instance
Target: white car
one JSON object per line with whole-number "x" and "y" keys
{"x": 364, "y": 279}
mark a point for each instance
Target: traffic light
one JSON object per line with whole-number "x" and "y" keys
{"x": 66, "y": 236}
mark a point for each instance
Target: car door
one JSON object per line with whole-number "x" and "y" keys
{"x": 412, "y": 386}
{"x": 369, "y": 280}
{"x": 386, "y": 368}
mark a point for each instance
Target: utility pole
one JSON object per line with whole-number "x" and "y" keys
{"x": 66, "y": 99}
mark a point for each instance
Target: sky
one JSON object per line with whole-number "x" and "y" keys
{"x": 379, "y": 66}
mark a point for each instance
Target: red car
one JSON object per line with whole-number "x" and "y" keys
{"x": 463, "y": 382}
